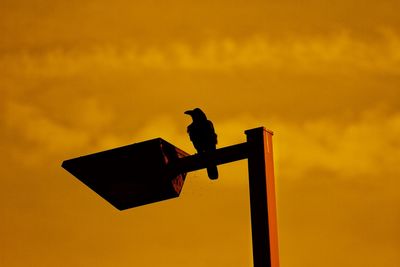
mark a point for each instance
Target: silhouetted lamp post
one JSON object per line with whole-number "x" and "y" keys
{"x": 155, "y": 170}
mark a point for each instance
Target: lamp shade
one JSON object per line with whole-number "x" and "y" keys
{"x": 131, "y": 175}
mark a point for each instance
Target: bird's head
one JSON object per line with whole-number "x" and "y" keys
{"x": 196, "y": 114}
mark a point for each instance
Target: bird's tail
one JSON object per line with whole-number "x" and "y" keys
{"x": 212, "y": 172}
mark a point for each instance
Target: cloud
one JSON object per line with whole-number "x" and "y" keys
{"x": 34, "y": 135}
{"x": 367, "y": 147}
{"x": 335, "y": 53}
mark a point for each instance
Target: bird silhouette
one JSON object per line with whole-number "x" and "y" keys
{"x": 202, "y": 134}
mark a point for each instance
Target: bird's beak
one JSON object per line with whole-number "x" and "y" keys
{"x": 189, "y": 112}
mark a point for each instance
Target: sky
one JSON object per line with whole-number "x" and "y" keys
{"x": 78, "y": 77}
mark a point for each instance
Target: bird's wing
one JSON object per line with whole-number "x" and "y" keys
{"x": 212, "y": 132}
{"x": 191, "y": 131}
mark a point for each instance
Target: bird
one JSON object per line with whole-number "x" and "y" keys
{"x": 202, "y": 134}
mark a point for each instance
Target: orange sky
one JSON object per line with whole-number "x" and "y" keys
{"x": 77, "y": 77}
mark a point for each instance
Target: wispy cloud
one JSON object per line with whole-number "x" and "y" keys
{"x": 34, "y": 135}
{"x": 337, "y": 53}
{"x": 367, "y": 146}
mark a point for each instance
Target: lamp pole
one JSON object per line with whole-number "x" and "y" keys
{"x": 262, "y": 198}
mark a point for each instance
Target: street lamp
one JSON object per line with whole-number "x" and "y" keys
{"x": 155, "y": 170}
